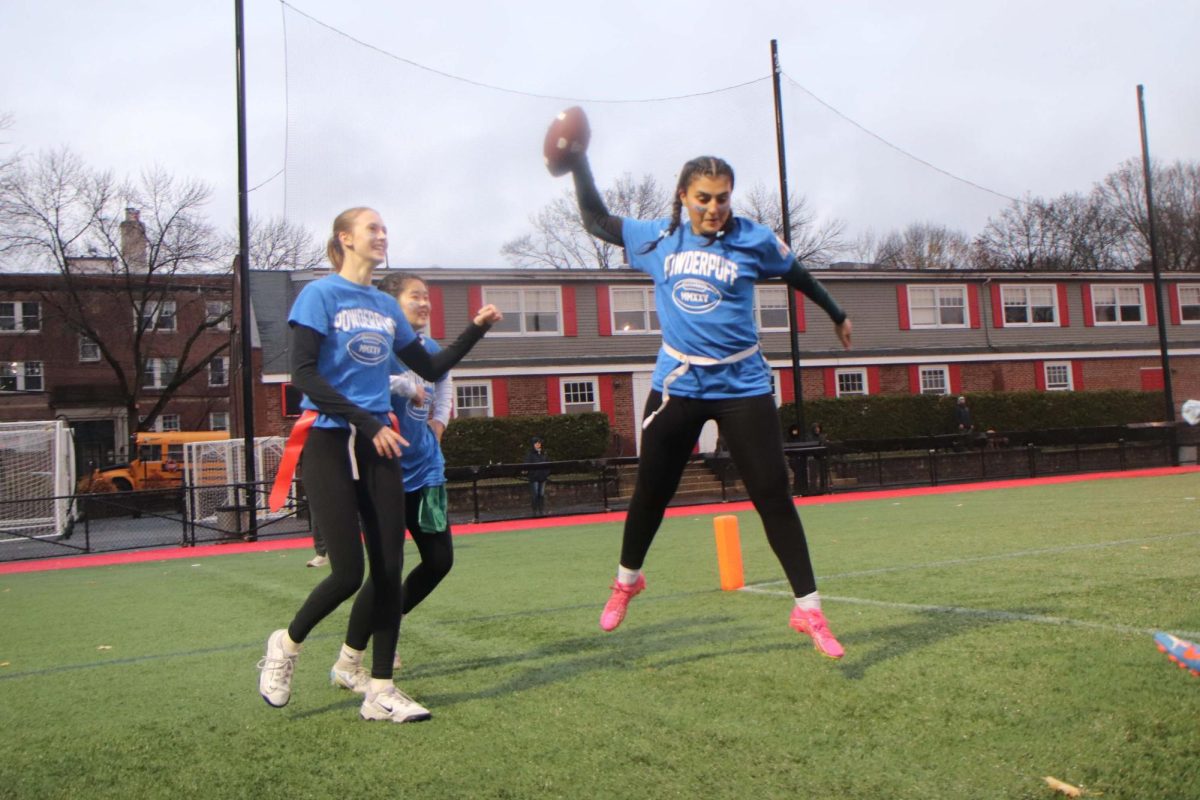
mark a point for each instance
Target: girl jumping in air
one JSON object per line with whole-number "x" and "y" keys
{"x": 704, "y": 267}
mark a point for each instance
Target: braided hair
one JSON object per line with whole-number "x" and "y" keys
{"x": 707, "y": 166}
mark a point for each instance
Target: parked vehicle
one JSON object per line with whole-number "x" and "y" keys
{"x": 158, "y": 463}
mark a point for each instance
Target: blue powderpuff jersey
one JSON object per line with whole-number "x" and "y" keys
{"x": 421, "y": 461}
{"x": 362, "y": 327}
{"x": 704, "y": 295}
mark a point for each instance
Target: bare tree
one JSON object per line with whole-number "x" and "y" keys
{"x": 812, "y": 242}
{"x": 1176, "y": 206}
{"x": 559, "y": 240}
{"x": 924, "y": 245}
{"x": 278, "y": 244}
{"x": 124, "y": 251}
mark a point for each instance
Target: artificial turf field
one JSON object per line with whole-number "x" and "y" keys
{"x": 993, "y": 637}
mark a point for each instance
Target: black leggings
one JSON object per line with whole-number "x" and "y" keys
{"x": 437, "y": 555}
{"x": 338, "y": 503}
{"x": 750, "y": 428}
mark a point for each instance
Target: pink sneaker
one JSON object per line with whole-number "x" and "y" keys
{"x": 813, "y": 623}
{"x": 614, "y": 609}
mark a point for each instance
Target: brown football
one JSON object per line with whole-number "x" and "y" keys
{"x": 566, "y": 138}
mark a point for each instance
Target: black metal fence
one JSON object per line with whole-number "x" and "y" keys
{"x": 159, "y": 518}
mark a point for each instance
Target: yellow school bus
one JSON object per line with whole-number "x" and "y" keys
{"x": 157, "y": 463}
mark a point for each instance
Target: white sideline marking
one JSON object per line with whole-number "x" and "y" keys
{"x": 984, "y": 613}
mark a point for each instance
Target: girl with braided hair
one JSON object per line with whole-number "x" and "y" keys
{"x": 710, "y": 367}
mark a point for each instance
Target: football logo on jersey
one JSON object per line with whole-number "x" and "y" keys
{"x": 368, "y": 348}
{"x": 695, "y": 296}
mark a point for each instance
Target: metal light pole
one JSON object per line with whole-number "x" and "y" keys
{"x": 250, "y": 502}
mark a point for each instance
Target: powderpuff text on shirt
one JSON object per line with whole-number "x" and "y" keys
{"x": 694, "y": 292}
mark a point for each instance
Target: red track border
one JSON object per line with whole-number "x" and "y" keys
{"x": 295, "y": 543}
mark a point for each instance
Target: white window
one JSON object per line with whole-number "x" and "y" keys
{"x": 771, "y": 307}
{"x": 472, "y": 399}
{"x": 1118, "y": 305}
{"x": 158, "y": 316}
{"x": 527, "y": 311}
{"x": 217, "y": 310}
{"x": 20, "y": 316}
{"x": 935, "y": 380}
{"x": 633, "y": 310}
{"x": 1189, "y": 304}
{"x": 21, "y": 376}
{"x": 1029, "y": 305}
{"x": 1058, "y": 376}
{"x": 579, "y": 395}
{"x": 218, "y": 421}
{"x": 851, "y": 382}
{"x": 937, "y": 306}
{"x": 218, "y": 371}
{"x": 163, "y": 423}
{"x": 159, "y": 372}
{"x": 89, "y": 350}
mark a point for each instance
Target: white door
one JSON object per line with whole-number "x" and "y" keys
{"x": 641, "y": 390}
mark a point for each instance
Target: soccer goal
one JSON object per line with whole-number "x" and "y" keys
{"x": 37, "y": 480}
{"x": 213, "y": 472}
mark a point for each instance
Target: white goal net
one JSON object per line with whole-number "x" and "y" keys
{"x": 37, "y": 479}
{"x": 212, "y": 472}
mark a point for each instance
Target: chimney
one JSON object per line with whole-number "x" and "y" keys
{"x": 133, "y": 241}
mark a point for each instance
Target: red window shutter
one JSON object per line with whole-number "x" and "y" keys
{"x": 787, "y": 387}
{"x": 1064, "y": 317}
{"x": 553, "y": 398}
{"x": 955, "y": 371}
{"x": 1151, "y": 306}
{"x": 437, "y": 313}
{"x": 1176, "y": 312}
{"x": 606, "y": 399}
{"x": 570, "y": 326}
{"x": 474, "y": 300}
{"x": 830, "y": 382}
{"x": 799, "y": 309}
{"x": 914, "y": 379}
{"x": 873, "y": 380}
{"x": 1039, "y": 375}
{"x": 603, "y": 311}
{"x": 1152, "y": 379}
{"x": 997, "y": 307}
{"x": 973, "y": 305}
{"x": 1089, "y": 317}
{"x": 902, "y": 306}
{"x": 500, "y": 397}
{"x": 1077, "y": 376}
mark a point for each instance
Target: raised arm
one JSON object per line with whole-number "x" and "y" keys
{"x": 592, "y": 210}
{"x": 431, "y": 368}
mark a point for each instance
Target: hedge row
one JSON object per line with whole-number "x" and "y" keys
{"x": 472, "y": 441}
{"x": 889, "y": 416}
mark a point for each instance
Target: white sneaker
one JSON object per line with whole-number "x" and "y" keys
{"x": 317, "y": 561}
{"x": 356, "y": 679}
{"x": 393, "y": 704}
{"x": 275, "y": 678}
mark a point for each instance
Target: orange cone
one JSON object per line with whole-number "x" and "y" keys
{"x": 729, "y": 552}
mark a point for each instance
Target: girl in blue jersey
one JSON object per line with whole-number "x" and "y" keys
{"x": 423, "y": 411}
{"x": 710, "y": 368}
{"x": 345, "y": 335}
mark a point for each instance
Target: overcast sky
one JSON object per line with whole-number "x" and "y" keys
{"x": 1017, "y": 97}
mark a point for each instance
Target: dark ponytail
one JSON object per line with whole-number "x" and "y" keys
{"x": 708, "y": 166}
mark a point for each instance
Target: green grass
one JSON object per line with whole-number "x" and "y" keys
{"x": 992, "y": 638}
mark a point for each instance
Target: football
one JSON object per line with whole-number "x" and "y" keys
{"x": 566, "y": 138}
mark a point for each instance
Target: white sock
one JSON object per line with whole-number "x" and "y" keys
{"x": 348, "y": 655}
{"x": 289, "y": 647}
{"x": 379, "y": 685}
{"x": 809, "y": 602}
{"x": 627, "y": 576}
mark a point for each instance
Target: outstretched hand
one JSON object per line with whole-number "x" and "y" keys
{"x": 844, "y": 329}
{"x": 488, "y": 315}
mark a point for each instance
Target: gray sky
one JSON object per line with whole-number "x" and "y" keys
{"x": 1019, "y": 97}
